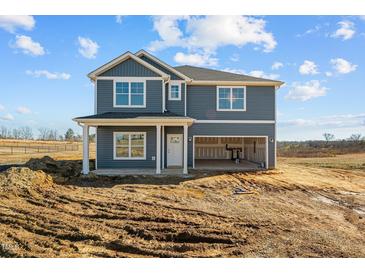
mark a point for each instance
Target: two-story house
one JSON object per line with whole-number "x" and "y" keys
{"x": 150, "y": 115}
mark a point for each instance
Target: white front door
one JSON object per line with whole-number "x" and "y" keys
{"x": 174, "y": 149}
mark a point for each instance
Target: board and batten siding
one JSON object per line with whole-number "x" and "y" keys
{"x": 202, "y": 104}
{"x": 173, "y": 76}
{"x": 105, "y": 97}
{"x": 233, "y": 130}
{"x": 105, "y": 148}
{"x": 130, "y": 68}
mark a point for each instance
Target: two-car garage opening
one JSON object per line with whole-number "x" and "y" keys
{"x": 230, "y": 152}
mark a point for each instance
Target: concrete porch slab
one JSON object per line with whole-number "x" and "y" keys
{"x": 139, "y": 171}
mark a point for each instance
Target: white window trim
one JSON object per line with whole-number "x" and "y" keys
{"x": 231, "y": 87}
{"x": 129, "y": 146}
{"x": 178, "y": 83}
{"x": 129, "y": 80}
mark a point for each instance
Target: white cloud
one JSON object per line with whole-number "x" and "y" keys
{"x": 308, "y": 68}
{"x": 205, "y": 34}
{"x": 12, "y": 22}
{"x": 254, "y": 73}
{"x": 88, "y": 48}
{"x": 235, "y": 57}
{"x": 342, "y": 66}
{"x": 119, "y": 19}
{"x": 2, "y": 108}
{"x": 28, "y": 46}
{"x": 328, "y": 73}
{"x": 23, "y": 110}
{"x": 306, "y": 91}
{"x": 211, "y": 32}
{"x": 195, "y": 59}
{"x": 169, "y": 32}
{"x": 261, "y": 74}
{"x": 49, "y": 75}
{"x": 346, "y": 30}
{"x": 7, "y": 117}
{"x": 362, "y": 17}
{"x": 316, "y": 29}
{"x": 277, "y": 65}
{"x": 331, "y": 121}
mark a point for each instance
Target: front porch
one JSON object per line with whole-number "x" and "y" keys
{"x": 115, "y": 157}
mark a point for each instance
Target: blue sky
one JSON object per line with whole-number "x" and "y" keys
{"x": 45, "y": 59}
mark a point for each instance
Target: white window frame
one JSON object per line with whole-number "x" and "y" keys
{"x": 129, "y": 81}
{"x": 174, "y": 83}
{"x": 231, "y": 87}
{"x": 129, "y": 146}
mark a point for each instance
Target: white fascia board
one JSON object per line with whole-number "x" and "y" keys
{"x": 163, "y": 64}
{"x": 136, "y": 122}
{"x": 122, "y": 58}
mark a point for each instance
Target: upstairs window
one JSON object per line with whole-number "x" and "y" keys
{"x": 231, "y": 98}
{"x": 130, "y": 94}
{"x": 175, "y": 91}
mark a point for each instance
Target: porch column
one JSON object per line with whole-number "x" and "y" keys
{"x": 158, "y": 149}
{"x": 185, "y": 171}
{"x": 163, "y": 147}
{"x": 85, "y": 149}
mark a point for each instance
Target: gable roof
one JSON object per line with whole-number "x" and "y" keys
{"x": 199, "y": 74}
{"x": 92, "y": 75}
{"x": 142, "y": 52}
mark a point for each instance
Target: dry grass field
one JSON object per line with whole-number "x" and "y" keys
{"x": 20, "y": 151}
{"x": 306, "y": 208}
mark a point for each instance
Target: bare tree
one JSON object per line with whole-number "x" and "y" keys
{"x": 16, "y": 133}
{"x": 328, "y": 137}
{"x": 5, "y": 133}
{"x": 355, "y": 137}
{"x": 53, "y": 135}
{"x": 43, "y": 133}
{"x": 26, "y": 133}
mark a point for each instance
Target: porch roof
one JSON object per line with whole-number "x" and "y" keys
{"x": 134, "y": 118}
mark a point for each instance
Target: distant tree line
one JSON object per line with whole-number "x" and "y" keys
{"x": 44, "y": 134}
{"x": 330, "y": 146}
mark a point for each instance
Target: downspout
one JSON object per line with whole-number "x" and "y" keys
{"x": 164, "y": 93}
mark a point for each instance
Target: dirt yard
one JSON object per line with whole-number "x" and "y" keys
{"x": 295, "y": 211}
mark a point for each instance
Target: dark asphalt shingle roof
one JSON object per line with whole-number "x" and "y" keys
{"x": 204, "y": 74}
{"x": 130, "y": 115}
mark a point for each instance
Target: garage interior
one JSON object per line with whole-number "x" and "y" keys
{"x": 230, "y": 153}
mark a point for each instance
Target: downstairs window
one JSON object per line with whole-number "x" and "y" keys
{"x": 129, "y": 145}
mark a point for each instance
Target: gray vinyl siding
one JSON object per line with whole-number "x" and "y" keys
{"x": 174, "y": 106}
{"x": 105, "y": 97}
{"x": 173, "y": 76}
{"x": 130, "y": 68}
{"x": 105, "y": 148}
{"x": 232, "y": 130}
{"x": 202, "y": 104}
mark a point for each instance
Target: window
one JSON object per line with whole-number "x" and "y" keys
{"x": 129, "y": 94}
{"x": 174, "y": 91}
{"x": 129, "y": 145}
{"x": 231, "y": 98}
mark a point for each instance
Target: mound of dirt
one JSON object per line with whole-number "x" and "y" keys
{"x": 18, "y": 178}
{"x": 62, "y": 169}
